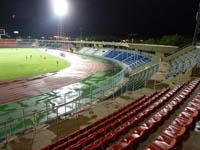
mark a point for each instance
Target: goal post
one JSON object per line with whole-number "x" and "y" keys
{"x": 2, "y": 32}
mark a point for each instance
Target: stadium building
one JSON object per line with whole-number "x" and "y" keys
{"x": 74, "y": 95}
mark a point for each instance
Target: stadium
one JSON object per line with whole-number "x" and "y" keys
{"x": 94, "y": 95}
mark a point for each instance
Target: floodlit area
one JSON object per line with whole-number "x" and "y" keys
{"x": 32, "y": 61}
{"x": 99, "y": 75}
{"x": 61, "y": 7}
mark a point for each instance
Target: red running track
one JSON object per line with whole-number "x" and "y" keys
{"x": 80, "y": 69}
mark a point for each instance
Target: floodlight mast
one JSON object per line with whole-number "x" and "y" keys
{"x": 61, "y": 8}
{"x": 196, "y": 37}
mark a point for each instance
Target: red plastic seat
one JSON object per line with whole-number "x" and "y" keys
{"x": 101, "y": 132}
{"x": 87, "y": 141}
{"x": 137, "y": 134}
{"x": 115, "y": 124}
{"x": 182, "y": 96}
{"x": 194, "y": 112}
{"x": 175, "y": 131}
{"x": 61, "y": 147}
{"x": 107, "y": 129}
{"x": 115, "y": 147}
{"x": 140, "y": 116}
{"x": 129, "y": 124}
{"x": 74, "y": 147}
{"x": 156, "y": 104}
{"x": 164, "y": 142}
{"x": 174, "y": 104}
{"x": 97, "y": 144}
{"x": 164, "y": 112}
{"x": 177, "y": 99}
{"x": 106, "y": 140}
{"x": 119, "y": 131}
{"x": 79, "y": 137}
{"x": 146, "y": 127}
{"x": 185, "y": 115}
{"x": 151, "y": 123}
{"x": 157, "y": 119}
{"x": 194, "y": 105}
{"x": 126, "y": 143}
{"x": 158, "y": 114}
{"x": 63, "y": 140}
{"x": 153, "y": 147}
{"x": 133, "y": 112}
{"x": 89, "y": 147}
{"x": 181, "y": 122}
{"x": 113, "y": 135}
{"x": 169, "y": 108}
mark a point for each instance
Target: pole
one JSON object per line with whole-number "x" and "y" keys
{"x": 81, "y": 33}
{"x": 10, "y": 129}
{"x": 154, "y": 85}
{"x": 126, "y": 87}
{"x": 47, "y": 110}
{"x": 65, "y": 103}
{"x": 23, "y": 118}
{"x": 91, "y": 93}
{"x": 6, "y": 135}
{"x": 57, "y": 114}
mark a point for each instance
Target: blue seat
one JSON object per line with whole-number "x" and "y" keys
{"x": 123, "y": 56}
{"x": 112, "y": 54}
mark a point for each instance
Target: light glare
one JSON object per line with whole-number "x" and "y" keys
{"x": 60, "y": 7}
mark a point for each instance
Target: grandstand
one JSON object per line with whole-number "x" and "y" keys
{"x": 71, "y": 93}
{"x": 121, "y": 96}
{"x": 146, "y": 115}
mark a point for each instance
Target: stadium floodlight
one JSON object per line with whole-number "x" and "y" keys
{"x": 16, "y": 32}
{"x": 61, "y": 7}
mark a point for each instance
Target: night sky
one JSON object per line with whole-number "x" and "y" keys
{"x": 151, "y": 18}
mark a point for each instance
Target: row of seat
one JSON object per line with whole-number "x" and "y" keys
{"x": 51, "y": 44}
{"x": 142, "y": 131}
{"x": 183, "y": 63}
{"x": 140, "y": 62}
{"x": 131, "y": 59}
{"x": 103, "y": 142}
{"x": 113, "y": 54}
{"x": 94, "y": 51}
{"x": 134, "y": 103}
{"x": 101, "y": 52}
{"x": 123, "y": 56}
{"x": 106, "y": 120}
{"x": 104, "y": 127}
{"x": 129, "y": 122}
{"x": 118, "y": 124}
{"x": 140, "y": 79}
{"x": 8, "y": 42}
{"x": 174, "y": 133}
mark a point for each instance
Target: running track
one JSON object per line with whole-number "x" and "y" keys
{"x": 80, "y": 68}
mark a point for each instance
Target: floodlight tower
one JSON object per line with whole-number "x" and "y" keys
{"x": 196, "y": 37}
{"x": 61, "y": 8}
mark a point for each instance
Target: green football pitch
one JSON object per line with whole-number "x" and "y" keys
{"x": 25, "y": 62}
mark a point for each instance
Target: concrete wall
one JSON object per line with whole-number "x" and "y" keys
{"x": 159, "y": 50}
{"x": 187, "y": 49}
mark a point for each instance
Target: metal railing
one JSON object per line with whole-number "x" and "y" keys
{"x": 28, "y": 117}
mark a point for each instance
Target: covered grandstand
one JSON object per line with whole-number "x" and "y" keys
{"x": 142, "y": 99}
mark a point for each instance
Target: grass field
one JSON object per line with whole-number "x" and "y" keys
{"x": 14, "y": 60}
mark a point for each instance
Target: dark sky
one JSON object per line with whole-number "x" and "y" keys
{"x": 101, "y": 17}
